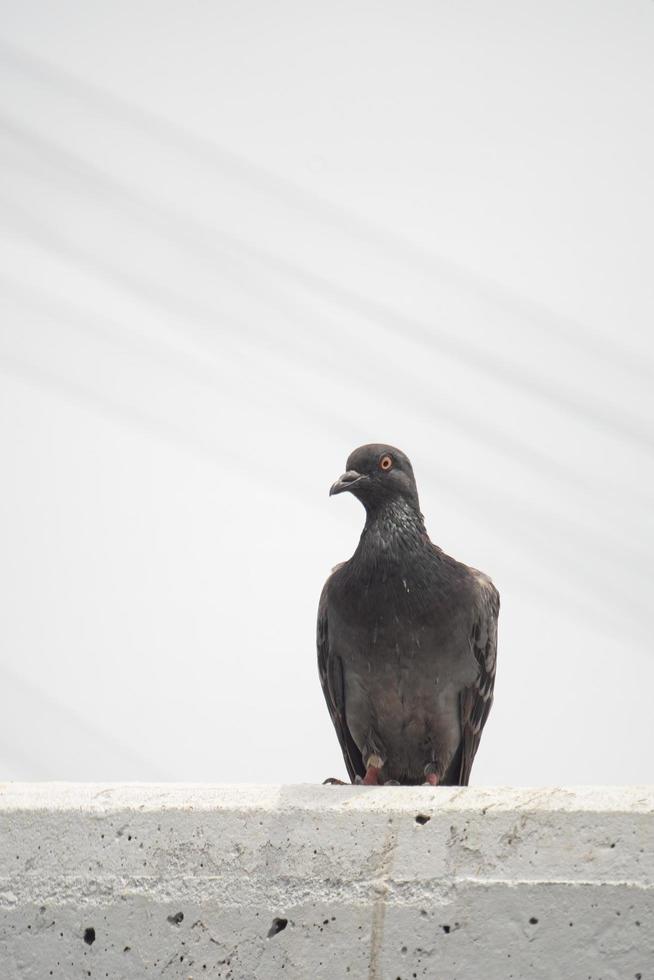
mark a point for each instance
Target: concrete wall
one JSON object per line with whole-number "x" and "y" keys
{"x": 186, "y": 881}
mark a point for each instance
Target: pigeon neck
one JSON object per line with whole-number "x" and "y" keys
{"x": 396, "y": 527}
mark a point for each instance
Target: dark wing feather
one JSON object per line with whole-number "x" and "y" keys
{"x": 476, "y": 701}
{"x": 330, "y": 669}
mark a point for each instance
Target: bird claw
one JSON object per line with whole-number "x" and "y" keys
{"x": 432, "y": 777}
{"x": 392, "y": 782}
{"x": 332, "y": 781}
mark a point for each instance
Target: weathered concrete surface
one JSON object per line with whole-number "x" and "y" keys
{"x": 184, "y": 881}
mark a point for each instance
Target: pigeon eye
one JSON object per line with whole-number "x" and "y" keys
{"x": 385, "y": 463}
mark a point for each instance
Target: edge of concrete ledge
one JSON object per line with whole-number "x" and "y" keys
{"x": 62, "y": 796}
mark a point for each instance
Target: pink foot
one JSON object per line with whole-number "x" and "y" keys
{"x": 432, "y": 777}
{"x": 371, "y": 777}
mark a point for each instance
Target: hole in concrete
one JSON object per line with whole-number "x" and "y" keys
{"x": 176, "y": 918}
{"x": 277, "y": 926}
{"x": 446, "y": 930}
{"x": 422, "y": 819}
{"x": 533, "y": 921}
{"x": 89, "y": 936}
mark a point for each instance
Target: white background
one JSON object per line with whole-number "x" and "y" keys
{"x": 240, "y": 239}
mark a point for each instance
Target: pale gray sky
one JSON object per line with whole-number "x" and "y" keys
{"x": 240, "y": 239}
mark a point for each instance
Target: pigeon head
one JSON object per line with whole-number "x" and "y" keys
{"x": 377, "y": 475}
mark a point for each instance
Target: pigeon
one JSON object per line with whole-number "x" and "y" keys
{"x": 406, "y": 637}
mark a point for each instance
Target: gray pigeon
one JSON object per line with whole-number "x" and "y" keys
{"x": 406, "y": 638}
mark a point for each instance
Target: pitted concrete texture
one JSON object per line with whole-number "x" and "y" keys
{"x": 244, "y": 882}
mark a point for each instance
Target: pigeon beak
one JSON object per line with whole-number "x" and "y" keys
{"x": 345, "y": 482}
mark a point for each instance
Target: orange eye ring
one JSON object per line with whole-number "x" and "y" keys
{"x": 385, "y": 463}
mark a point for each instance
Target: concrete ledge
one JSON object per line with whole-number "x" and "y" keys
{"x": 242, "y": 882}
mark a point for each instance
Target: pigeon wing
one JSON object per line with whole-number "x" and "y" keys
{"x": 476, "y": 700}
{"x": 330, "y": 668}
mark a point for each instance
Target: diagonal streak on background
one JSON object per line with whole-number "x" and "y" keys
{"x": 236, "y": 168}
{"x": 474, "y": 427}
{"x": 208, "y": 242}
{"x": 536, "y": 529}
